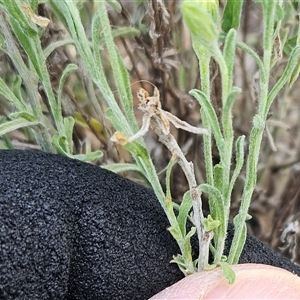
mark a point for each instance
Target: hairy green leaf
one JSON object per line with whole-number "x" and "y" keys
{"x": 232, "y": 15}
{"x": 200, "y": 23}
{"x": 210, "y": 224}
{"x": 9, "y": 95}
{"x": 210, "y": 113}
{"x": 228, "y": 272}
{"x": 16, "y": 124}
{"x": 122, "y": 167}
{"x": 184, "y": 210}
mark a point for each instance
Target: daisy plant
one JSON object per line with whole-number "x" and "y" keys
{"x": 215, "y": 37}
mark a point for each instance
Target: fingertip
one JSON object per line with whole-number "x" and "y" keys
{"x": 253, "y": 281}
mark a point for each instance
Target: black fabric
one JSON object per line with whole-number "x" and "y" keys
{"x": 71, "y": 230}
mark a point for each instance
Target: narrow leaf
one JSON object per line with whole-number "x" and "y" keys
{"x": 227, "y": 114}
{"x": 229, "y": 53}
{"x": 218, "y": 198}
{"x": 49, "y": 49}
{"x": 56, "y": 107}
{"x": 228, "y": 272}
{"x": 91, "y": 156}
{"x": 218, "y": 179}
{"x": 16, "y": 88}
{"x": 184, "y": 210}
{"x": 15, "y": 124}
{"x": 210, "y": 224}
{"x": 122, "y": 167}
{"x": 9, "y": 95}
{"x": 230, "y": 101}
{"x": 59, "y": 144}
{"x": 187, "y": 241}
{"x": 23, "y": 114}
{"x": 101, "y": 81}
{"x": 124, "y": 32}
{"x": 237, "y": 248}
{"x": 232, "y": 15}
{"x": 68, "y": 129}
{"x": 120, "y": 72}
{"x": 295, "y": 73}
{"x": 290, "y": 72}
{"x": 170, "y": 166}
{"x": 210, "y": 113}
{"x": 239, "y": 149}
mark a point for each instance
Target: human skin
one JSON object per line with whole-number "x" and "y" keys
{"x": 253, "y": 281}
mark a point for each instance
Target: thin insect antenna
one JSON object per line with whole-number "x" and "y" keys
{"x": 142, "y": 80}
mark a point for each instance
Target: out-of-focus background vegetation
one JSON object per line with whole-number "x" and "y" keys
{"x": 156, "y": 48}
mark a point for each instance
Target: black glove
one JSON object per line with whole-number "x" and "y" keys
{"x": 71, "y": 230}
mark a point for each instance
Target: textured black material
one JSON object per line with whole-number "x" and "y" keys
{"x": 71, "y": 230}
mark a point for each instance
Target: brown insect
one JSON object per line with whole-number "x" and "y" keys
{"x": 156, "y": 118}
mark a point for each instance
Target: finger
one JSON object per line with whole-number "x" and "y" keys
{"x": 253, "y": 281}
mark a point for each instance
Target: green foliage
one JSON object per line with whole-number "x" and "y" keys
{"x": 232, "y": 15}
{"x": 228, "y": 272}
{"x": 221, "y": 180}
{"x": 210, "y": 224}
{"x": 200, "y": 23}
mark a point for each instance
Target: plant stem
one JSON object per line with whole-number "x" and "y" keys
{"x": 255, "y": 136}
{"x": 188, "y": 169}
